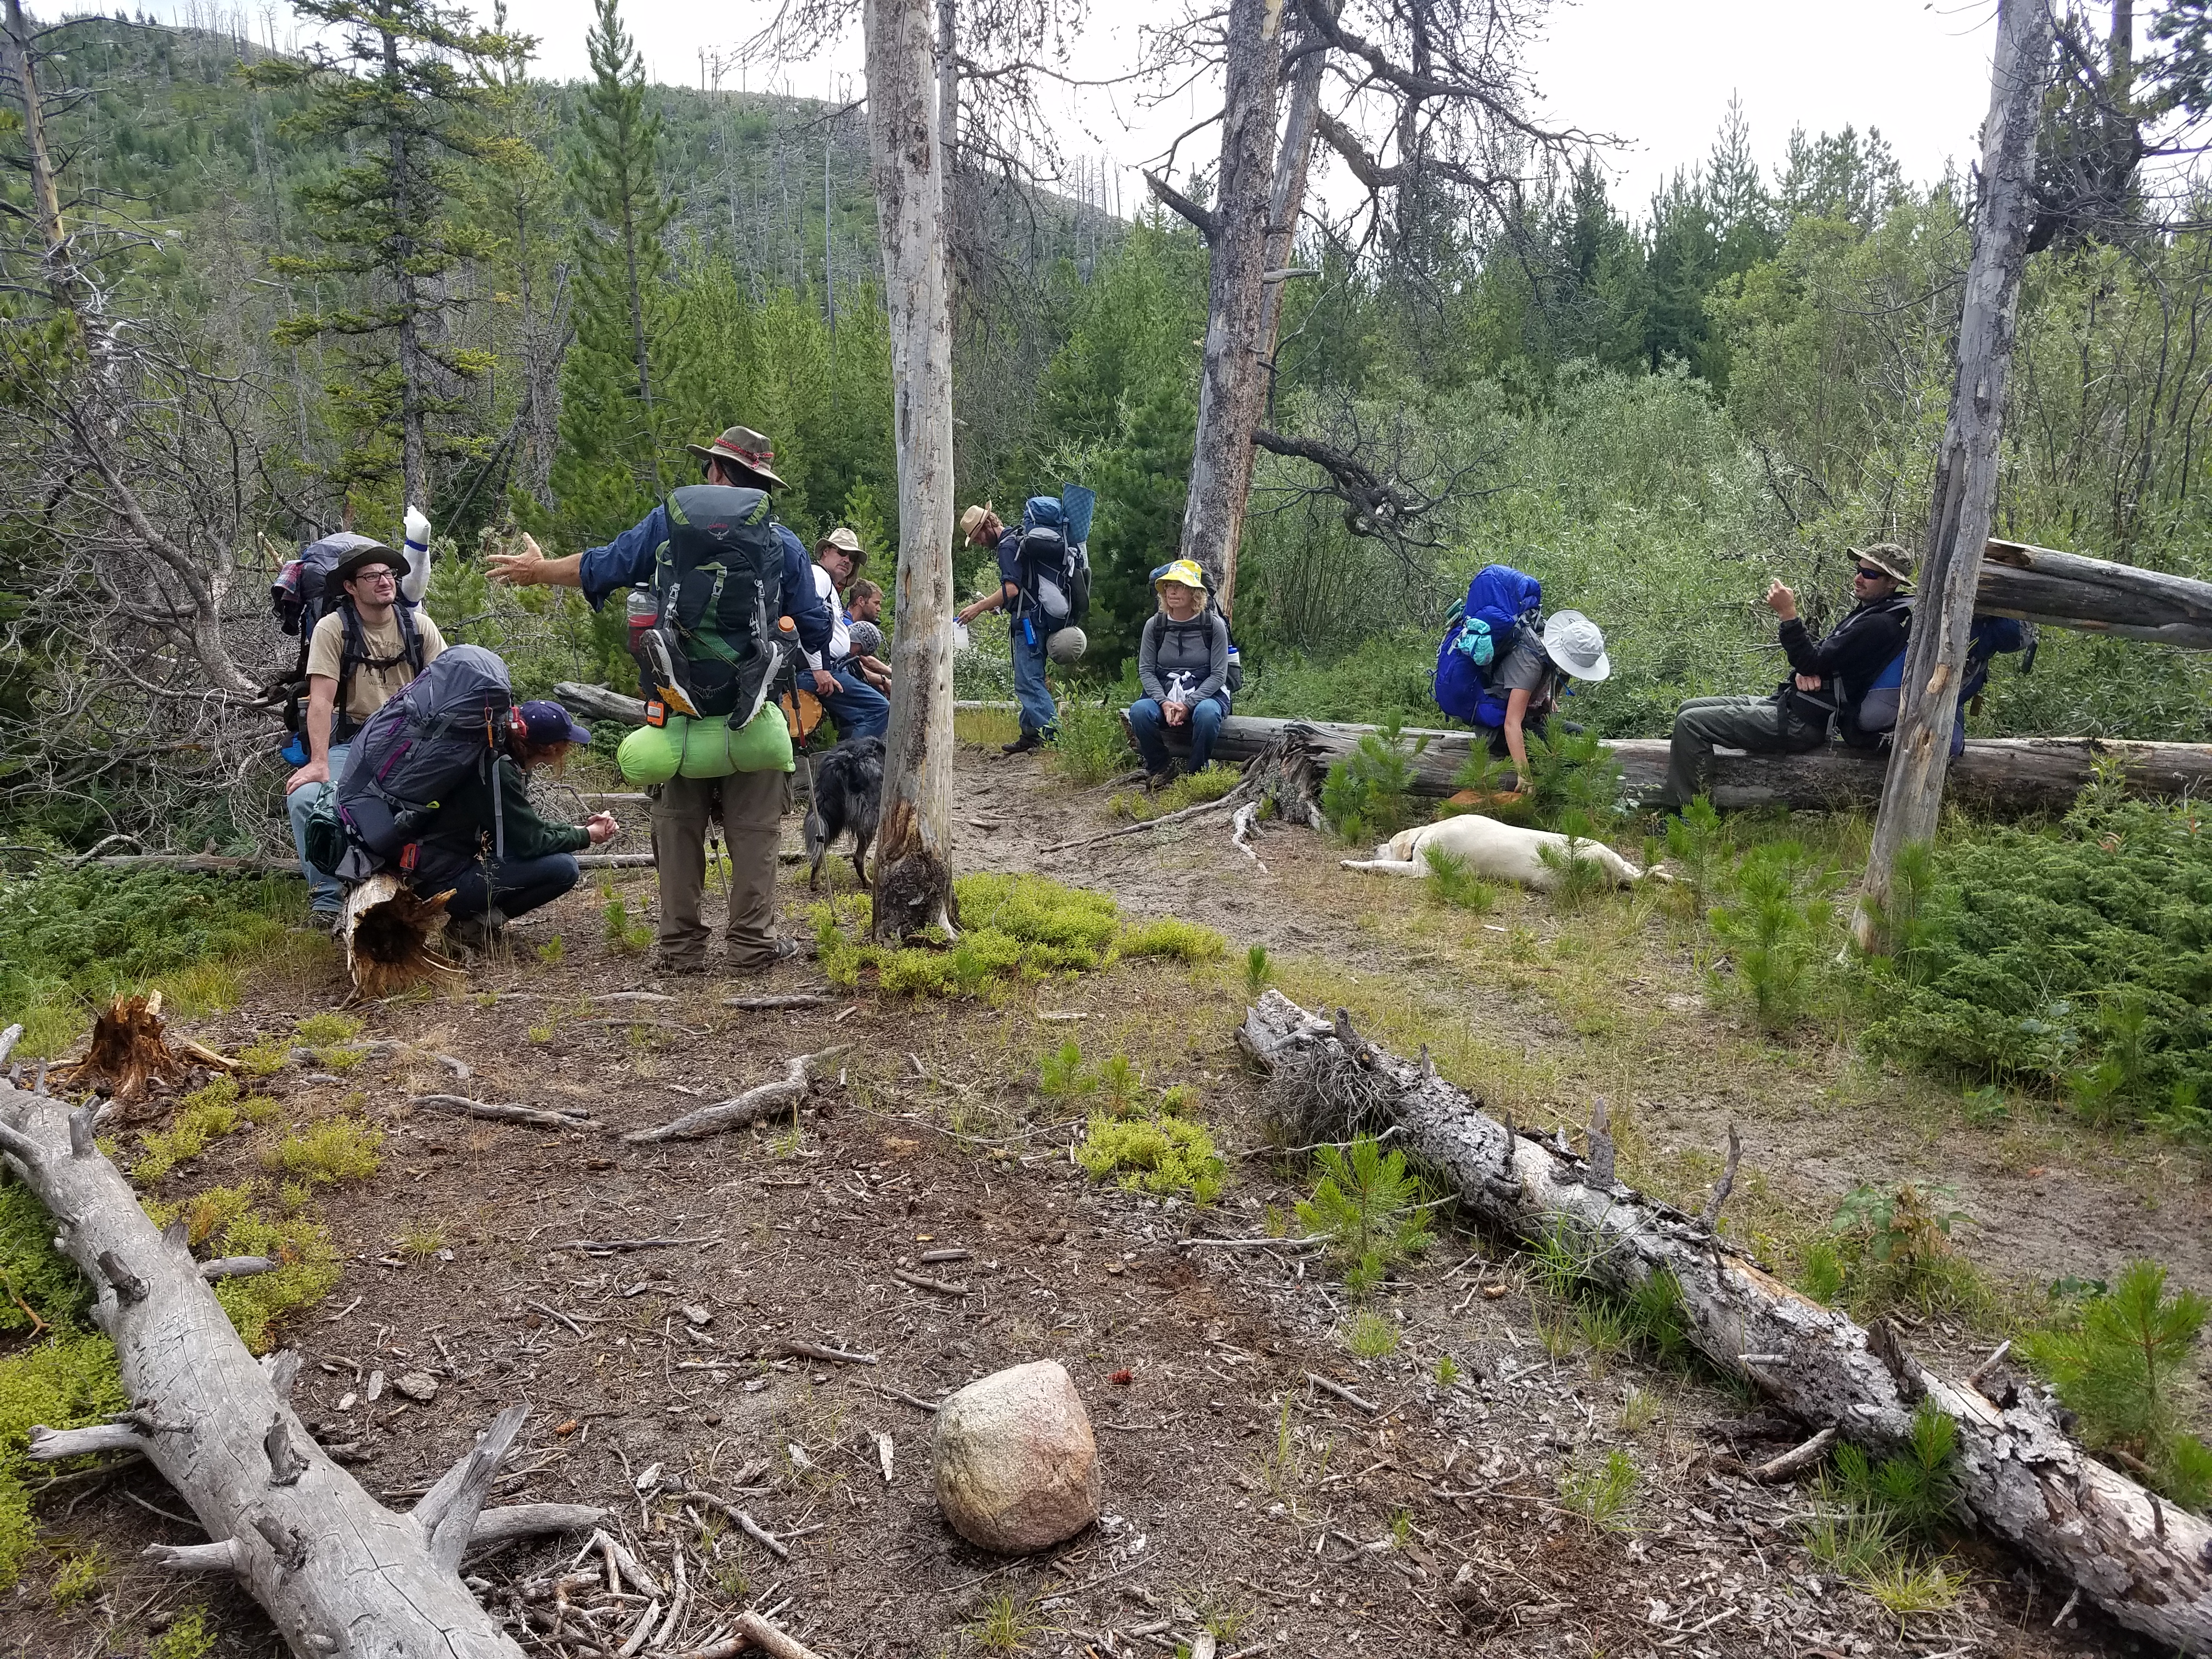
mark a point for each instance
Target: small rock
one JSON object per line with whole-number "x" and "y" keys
{"x": 375, "y": 1387}
{"x": 698, "y": 1313}
{"x": 418, "y": 1386}
{"x": 347, "y": 1403}
{"x": 1016, "y": 1468}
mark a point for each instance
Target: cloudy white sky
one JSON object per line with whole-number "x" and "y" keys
{"x": 1658, "y": 74}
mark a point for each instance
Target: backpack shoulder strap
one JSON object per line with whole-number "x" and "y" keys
{"x": 410, "y": 637}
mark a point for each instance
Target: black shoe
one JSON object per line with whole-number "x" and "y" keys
{"x": 1024, "y": 744}
{"x": 475, "y": 933}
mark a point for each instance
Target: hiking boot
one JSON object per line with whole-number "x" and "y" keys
{"x": 1160, "y": 780}
{"x": 475, "y": 933}
{"x": 1025, "y": 743}
{"x": 328, "y": 921}
{"x": 781, "y": 951}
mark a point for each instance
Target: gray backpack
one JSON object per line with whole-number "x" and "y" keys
{"x": 448, "y": 724}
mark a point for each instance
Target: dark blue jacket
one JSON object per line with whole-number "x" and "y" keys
{"x": 627, "y": 562}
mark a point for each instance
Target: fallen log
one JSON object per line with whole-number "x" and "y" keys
{"x": 2066, "y": 590}
{"x": 2001, "y": 775}
{"x": 2146, "y": 1562}
{"x": 337, "y": 1572}
{"x": 390, "y": 931}
{"x": 538, "y": 1117}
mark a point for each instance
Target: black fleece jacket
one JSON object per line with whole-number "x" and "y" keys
{"x": 1855, "y": 650}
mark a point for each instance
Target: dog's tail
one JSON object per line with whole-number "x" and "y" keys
{"x": 811, "y": 829}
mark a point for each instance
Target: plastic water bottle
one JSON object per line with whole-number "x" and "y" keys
{"x": 644, "y": 612}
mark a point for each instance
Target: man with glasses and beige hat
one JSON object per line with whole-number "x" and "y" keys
{"x": 1828, "y": 676}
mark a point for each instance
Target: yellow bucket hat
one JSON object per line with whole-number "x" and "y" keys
{"x": 1185, "y": 571}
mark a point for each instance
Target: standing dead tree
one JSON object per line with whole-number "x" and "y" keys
{"x": 1425, "y": 105}
{"x": 337, "y": 1572}
{"x": 1966, "y": 466}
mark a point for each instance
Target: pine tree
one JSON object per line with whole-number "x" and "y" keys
{"x": 399, "y": 92}
{"x": 609, "y": 465}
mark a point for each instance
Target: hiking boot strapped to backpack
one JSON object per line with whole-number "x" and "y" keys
{"x": 712, "y": 647}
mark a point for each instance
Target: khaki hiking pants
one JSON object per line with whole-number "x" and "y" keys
{"x": 750, "y": 807}
{"x": 1760, "y": 725}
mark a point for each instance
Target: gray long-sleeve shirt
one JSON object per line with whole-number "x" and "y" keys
{"x": 1197, "y": 649}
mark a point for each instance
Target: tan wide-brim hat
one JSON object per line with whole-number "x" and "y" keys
{"x": 972, "y": 518}
{"x": 845, "y": 542}
{"x": 1886, "y": 556}
{"x": 749, "y": 449}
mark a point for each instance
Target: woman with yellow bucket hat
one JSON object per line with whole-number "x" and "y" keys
{"x": 1184, "y": 665}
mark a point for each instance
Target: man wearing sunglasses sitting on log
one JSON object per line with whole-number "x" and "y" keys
{"x": 1827, "y": 677}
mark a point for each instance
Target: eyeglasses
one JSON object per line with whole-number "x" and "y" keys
{"x": 378, "y": 576}
{"x": 1872, "y": 575}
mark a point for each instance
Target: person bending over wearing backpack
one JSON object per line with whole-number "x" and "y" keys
{"x": 1182, "y": 662}
{"x": 361, "y": 654}
{"x": 1828, "y": 677}
{"x": 749, "y": 804}
{"x": 1017, "y": 596}
{"x": 858, "y": 707}
{"x": 540, "y": 863}
{"x": 1571, "y": 645}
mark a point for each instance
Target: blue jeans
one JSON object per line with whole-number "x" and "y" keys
{"x": 1149, "y": 723}
{"x": 859, "y": 708}
{"x": 524, "y": 885}
{"x": 325, "y": 893}
{"x": 1040, "y": 714}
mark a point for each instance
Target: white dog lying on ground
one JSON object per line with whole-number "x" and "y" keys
{"x": 1493, "y": 851}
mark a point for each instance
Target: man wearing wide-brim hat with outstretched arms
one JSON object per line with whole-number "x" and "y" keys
{"x": 1827, "y": 677}
{"x": 749, "y": 804}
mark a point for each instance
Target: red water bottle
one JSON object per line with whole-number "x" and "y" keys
{"x": 644, "y": 612}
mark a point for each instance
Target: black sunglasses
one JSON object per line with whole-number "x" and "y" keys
{"x": 1873, "y": 575}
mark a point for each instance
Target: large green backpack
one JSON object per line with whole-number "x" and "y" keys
{"x": 717, "y": 588}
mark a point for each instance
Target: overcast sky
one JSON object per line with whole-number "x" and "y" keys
{"x": 1657, "y": 74}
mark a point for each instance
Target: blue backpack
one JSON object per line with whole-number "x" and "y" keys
{"x": 1875, "y": 714}
{"x": 1482, "y": 625}
{"x": 1056, "y": 555}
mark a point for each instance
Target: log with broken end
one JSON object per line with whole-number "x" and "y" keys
{"x": 335, "y": 1571}
{"x": 538, "y": 1117}
{"x": 749, "y": 1107}
{"x": 2146, "y": 1564}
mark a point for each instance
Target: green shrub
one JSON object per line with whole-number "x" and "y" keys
{"x": 623, "y": 934}
{"x": 1014, "y": 927}
{"x": 72, "y": 939}
{"x": 1191, "y": 789}
{"x": 66, "y": 1380}
{"x": 2074, "y": 955}
{"x": 1596, "y": 1492}
{"x": 1894, "y": 1246}
{"x": 205, "y": 1115}
{"x": 1572, "y": 772}
{"x": 337, "y": 1149}
{"x": 1367, "y": 1204}
{"x": 328, "y": 1030}
{"x": 1778, "y": 928}
{"x": 1450, "y": 882}
{"x": 78, "y": 1579}
{"x": 2125, "y": 1368}
{"x": 263, "y": 1058}
{"x": 1171, "y": 936}
{"x": 1062, "y": 1075}
{"x": 36, "y": 1278}
{"x": 187, "y": 1637}
{"x": 1091, "y": 747}
{"x": 1154, "y": 1155}
{"x": 1259, "y": 971}
{"x": 1368, "y": 795}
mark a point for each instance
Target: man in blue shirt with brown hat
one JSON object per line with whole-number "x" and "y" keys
{"x": 749, "y": 804}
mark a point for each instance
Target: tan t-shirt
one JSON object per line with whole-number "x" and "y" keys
{"x": 374, "y": 686}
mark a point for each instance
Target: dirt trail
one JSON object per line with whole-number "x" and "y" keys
{"x": 1236, "y": 1493}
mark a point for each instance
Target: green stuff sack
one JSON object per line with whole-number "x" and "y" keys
{"x": 652, "y": 754}
{"x": 763, "y": 744}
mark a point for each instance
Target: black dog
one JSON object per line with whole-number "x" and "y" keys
{"x": 849, "y": 795}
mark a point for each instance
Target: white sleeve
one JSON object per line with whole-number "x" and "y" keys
{"x": 840, "y": 637}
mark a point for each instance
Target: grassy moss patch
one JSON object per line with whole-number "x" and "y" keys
{"x": 1015, "y": 928}
{"x": 1161, "y": 1155}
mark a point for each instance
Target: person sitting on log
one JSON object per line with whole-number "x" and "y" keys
{"x": 864, "y": 614}
{"x": 489, "y": 845}
{"x": 1182, "y": 662}
{"x": 858, "y": 707}
{"x": 1828, "y": 676}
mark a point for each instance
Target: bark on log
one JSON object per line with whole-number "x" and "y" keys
{"x": 2066, "y": 590}
{"x": 749, "y": 1107}
{"x": 337, "y": 1572}
{"x": 389, "y": 933}
{"x": 2146, "y": 1564}
{"x": 1998, "y": 775}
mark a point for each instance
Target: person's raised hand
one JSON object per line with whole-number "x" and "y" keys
{"x": 517, "y": 569}
{"x": 1782, "y": 602}
{"x": 315, "y": 771}
{"x": 601, "y": 828}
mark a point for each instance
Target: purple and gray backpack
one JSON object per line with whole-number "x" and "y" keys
{"x": 449, "y": 724}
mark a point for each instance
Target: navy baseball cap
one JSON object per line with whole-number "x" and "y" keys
{"x": 544, "y": 723}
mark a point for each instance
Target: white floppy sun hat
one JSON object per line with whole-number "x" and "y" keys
{"x": 1573, "y": 642}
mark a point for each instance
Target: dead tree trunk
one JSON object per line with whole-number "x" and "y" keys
{"x": 2040, "y": 585}
{"x": 1967, "y": 476}
{"x": 1300, "y": 121}
{"x": 1230, "y": 386}
{"x": 337, "y": 1572}
{"x": 2146, "y": 1564}
{"x": 913, "y": 851}
{"x": 19, "y": 61}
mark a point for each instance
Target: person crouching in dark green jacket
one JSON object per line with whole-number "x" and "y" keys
{"x": 488, "y": 846}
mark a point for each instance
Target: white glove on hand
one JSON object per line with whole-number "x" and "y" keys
{"x": 416, "y": 582}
